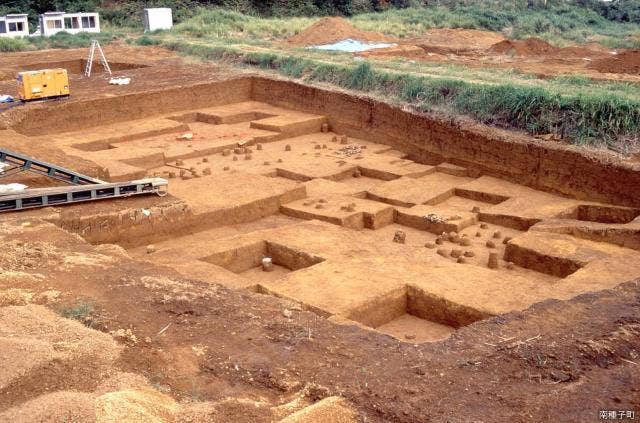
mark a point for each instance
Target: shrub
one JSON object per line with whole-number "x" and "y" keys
{"x": 146, "y": 40}
{"x": 80, "y": 311}
{"x": 8, "y": 45}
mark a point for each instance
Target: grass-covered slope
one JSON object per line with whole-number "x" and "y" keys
{"x": 577, "y": 109}
{"x": 561, "y": 25}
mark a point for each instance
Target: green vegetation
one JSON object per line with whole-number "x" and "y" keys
{"x": 561, "y": 24}
{"x": 13, "y": 44}
{"x": 584, "y": 114}
{"x": 220, "y": 23}
{"x": 80, "y": 311}
{"x": 494, "y": 14}
{"x": 59, "y": 40}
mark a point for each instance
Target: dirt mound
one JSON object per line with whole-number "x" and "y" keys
{"x": 331, "y": 409}
{"x": 526, "y": 47}
{"x": 334, "y": 29}
{"x": 53, "y": 407}
{"x": 408, "y": 51}
{"x": 586, "y": 50}
{"x": 135, "y": 405}
{"x": 625, "y": 62}
{"x": 440, "y": 39}
{"x": 41, "y": 332}
{"x": 577, "y": 51}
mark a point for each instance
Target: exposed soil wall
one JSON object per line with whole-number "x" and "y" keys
{"x": 522, "y": 159}
{"x": 567, "y": 170}
{"x": 77, "y": 66}
{"x": 71, "y": 116}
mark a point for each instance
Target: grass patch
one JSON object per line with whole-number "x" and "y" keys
{"x": 146, "y": 40}
{"x": 559, "y": 23}
{"x": 221, "y": 23}
{"x": 81, "y": 311}
{"x": 65, "y": 40}
{"x": 10, "y": 45}
{"x": 584, "y": 115}
{"x": 62, "y": 40}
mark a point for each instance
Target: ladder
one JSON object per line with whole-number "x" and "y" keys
{"x": 103, "y": 60}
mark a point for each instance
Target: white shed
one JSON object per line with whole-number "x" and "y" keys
{"x": 157, "y": 18}
{"x": 14, "y": 25}
{"x": 73, "y": 23}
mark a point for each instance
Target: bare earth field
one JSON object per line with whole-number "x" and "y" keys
{"x": 423, "y": 270}
{"x": 483, "y": 49}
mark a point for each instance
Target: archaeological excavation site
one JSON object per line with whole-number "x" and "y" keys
{"x": 259, "y": 249}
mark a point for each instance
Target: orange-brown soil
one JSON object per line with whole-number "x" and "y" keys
{"x": 332, "y": 29}
{"x": 487, "y": 50}
{"x": 526, "y": 47}
{"x": 424, "y": 270}
{"x": 447, "y": 40}
{"x": 625, "y": 62}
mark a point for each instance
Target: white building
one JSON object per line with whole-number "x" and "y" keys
{"x": 15, "y": 25}
{"x": 157, "y": 18}
{"x": 73, "y": 23}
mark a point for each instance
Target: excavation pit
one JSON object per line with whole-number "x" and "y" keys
{"x": 77, "y": 67}
{"x": 519, "y": 228}
{"x": 172, "y": 289}
{"x": 247, "y": 260}
{"x": 604, "y": 214}
{"x": 412, "y": 315}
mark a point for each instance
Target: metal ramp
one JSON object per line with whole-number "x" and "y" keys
{"x": 44, "y": 197}
{"x": 19, "y": 163}
{"x": 83, "y": 188}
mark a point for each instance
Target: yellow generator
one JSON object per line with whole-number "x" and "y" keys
{"x": 47, "y": 83}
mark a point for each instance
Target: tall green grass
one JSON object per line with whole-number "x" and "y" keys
{"x": 60, "y": 40}
{"x": 9, "y": 45}
{"x": 221, "y": 23}
{"x": 560, "y": 24}
{"x": 582, "y": 117}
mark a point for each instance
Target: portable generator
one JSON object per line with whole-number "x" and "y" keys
{"x": 41, "y": 84}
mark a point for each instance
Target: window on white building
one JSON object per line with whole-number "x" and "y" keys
{"x": 16, "y": 26}
{"x": 71, "y": 23}
{"x": 88, "y": 21}
{"x": 54, "y": 24}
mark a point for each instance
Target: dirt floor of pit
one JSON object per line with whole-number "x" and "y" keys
{"x": 376, "y": 257}
{"x": 250, "y": 175}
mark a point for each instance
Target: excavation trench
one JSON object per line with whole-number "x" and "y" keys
{"x": 77, "y": 67}
{"x": 348, "y": 198}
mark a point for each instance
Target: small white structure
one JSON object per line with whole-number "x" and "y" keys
{"x": 15, "y": 25}
{"x": 157, "y": 18}
{"x": 73, "y": 23}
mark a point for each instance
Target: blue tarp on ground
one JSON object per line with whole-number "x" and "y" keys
{"x": 352, "y": 46}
